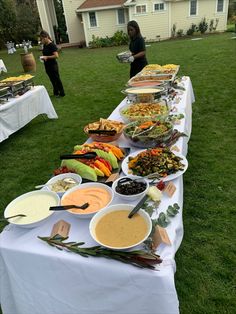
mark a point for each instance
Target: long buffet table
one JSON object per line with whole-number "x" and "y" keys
{"x": 17, "y": 112}
{"x": 36, "y": 278}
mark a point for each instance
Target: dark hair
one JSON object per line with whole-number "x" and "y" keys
{"x": 44, "y": 34}
{"x": 134, "y": 24}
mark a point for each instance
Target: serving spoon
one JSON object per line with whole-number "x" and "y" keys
{"x": 18, "y": 215}
{"x": 65, "y": 207}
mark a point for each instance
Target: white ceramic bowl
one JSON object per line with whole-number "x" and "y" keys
{"x": 96, "y": 218}
{"x": 62, "y": 176}
{"x": 35, "y": 205}
{"x": 132, "y": 197}
{"x": 93, "y": 198}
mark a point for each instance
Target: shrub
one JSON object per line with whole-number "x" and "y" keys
{"x": 213, "y": 27}
{"x": 180, "y": 33}
{"x": 203, "y": 26}
{"x": 173, "y": 30}
{"x": 193, "y": 28}
{"x": 120, "y": 38}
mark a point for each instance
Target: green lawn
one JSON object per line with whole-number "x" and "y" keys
{"x": 93, "y": 80}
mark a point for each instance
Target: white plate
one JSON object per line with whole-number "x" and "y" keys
{"x": 173, "y": 176}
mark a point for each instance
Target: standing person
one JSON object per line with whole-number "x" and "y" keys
{"x": 137, "y": 47}
{"x": 49, "y": 57}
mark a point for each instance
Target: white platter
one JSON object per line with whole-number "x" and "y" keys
{"x": 170, "y": 177}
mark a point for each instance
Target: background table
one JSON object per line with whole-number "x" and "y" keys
{"x": 2, "y": 66}
{"x": 36, "y": 278}
{"x": 17, "y": 112}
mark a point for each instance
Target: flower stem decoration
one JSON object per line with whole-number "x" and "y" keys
{"x": 138, "y": 258}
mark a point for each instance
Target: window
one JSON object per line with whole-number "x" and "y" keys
{"x": 159, "y": 6}
{"x": 193, "y": 7}
{"x": 121, "y": 16}
{"x": 220, "y": 5}
{"x": 140, "y": 9}
{"x": 92, "y": 19}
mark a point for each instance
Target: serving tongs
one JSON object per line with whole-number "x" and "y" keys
{"x": 89, "y": 155}
{"x": 105, "y": 132}
{"x": 135, "y": 133}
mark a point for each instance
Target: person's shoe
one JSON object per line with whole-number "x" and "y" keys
{"x": 62, "y": 95}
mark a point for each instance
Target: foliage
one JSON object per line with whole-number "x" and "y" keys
{"x": 173, "y": 30}
{"x": 193, "y": 28}
{"x": 60, "y": 31}
{"x": 138, "y": 258}
{"x": 203, "y": 26}
{"x": 212, "y": 26}
{"x": 27, "y": 23}
{"x": 180, "y": 32}
{"x": 119, "y": 38}
{"x": 7, "y": 21}
{"x": 93, "y": 80}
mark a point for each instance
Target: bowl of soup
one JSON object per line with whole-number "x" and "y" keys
{"x": 112, "y": 228}
{"x": 34, "y": 205}
{"x": 97, "y": 195}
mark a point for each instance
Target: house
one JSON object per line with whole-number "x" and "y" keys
{"x": 158, "y": 19}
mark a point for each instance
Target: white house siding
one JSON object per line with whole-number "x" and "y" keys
{"x": 73, "y": 23}
{"x": 152, "y": 24}
{"x": 206, "y": 8}
{"x": 106, "y": 24}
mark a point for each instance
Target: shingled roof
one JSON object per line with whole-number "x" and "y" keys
{"x": 90, "y": 4}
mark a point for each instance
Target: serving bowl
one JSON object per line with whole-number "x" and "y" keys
{"x": 112, "y": 228}
{"x": 107, "y": 130}
{"x": 35, "y": 205}
{"x": 157, "y": 133}
{"x": 98, "y": 196}
{"x": 144, "y": 111}
{"x": 61, "y": 182}
{"x": 130, "y": 188}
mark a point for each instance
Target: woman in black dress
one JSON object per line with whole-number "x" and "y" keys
{"x": 137, "y": 47}
{"x": 49, "y": 57}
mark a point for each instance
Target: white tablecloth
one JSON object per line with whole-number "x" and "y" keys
{"x": 2, "y": 66}
{"x": 39, "y": 279}
{"x": 17, "y": 112}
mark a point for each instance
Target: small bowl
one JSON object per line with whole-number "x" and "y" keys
{"x": 93, "y": 195}
{"x": 30, "y": 205}
{"x": 131, "y": 197}
{"x": 113, "y": 208}
{"x": 62, "y": 176}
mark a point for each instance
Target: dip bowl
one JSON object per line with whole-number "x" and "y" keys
{"x": 34, "y": 205}
{"x": 51, "y": 185}
{"x": 112, "y": 228}
{"x": 124, "y": 183}
{"x": 98, "y": 196}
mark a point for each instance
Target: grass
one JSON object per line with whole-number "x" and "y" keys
{"x": 93, "y": 79}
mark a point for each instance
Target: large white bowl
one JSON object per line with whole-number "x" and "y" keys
{"x": 126, "y": 207}
{"x": 62, "y": 176}
{"x": 132, "y": 197}
{"x": 35, "y": 205}
{"x": 84, "y": 213}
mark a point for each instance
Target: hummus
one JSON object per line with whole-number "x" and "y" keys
{"x": 96, "y": 197}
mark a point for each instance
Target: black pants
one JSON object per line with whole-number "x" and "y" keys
{"x": 53, "y": 74}
{"x": 137, "y": 66}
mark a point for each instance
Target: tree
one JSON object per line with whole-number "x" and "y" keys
{"x": 7, "y": 21}
{"x": 61, "y": 30}
{"x": 27, "y": 21}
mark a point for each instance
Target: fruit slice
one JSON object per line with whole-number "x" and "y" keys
{"x": 83, "y": 170}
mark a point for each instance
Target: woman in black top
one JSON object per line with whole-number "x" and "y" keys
{"x": 137, "y": 47}
{"x": 49, "y": 57}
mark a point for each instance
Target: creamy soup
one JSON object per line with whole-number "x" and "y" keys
{"x": 96, "y": 197}
{"x": 115, "y": 229}
{"x": 34, "y": 206}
